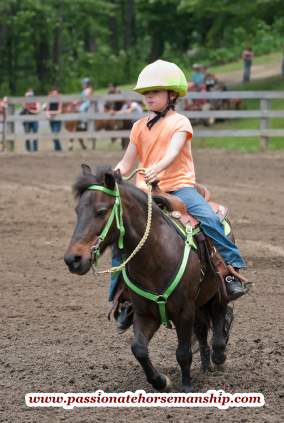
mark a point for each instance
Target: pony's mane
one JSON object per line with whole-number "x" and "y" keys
{"x": 86, "y": 179}
{"x": 82, "y": 183}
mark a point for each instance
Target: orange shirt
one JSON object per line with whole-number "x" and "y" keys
{"x": 152, "y": 145}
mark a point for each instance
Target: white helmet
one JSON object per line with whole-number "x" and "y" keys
{"x": 162, "y": 75}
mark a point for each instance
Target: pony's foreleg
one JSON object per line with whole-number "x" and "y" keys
{"x": 144, "y": 330}
{"x": 82, "y": 144}
{"x": 219, "y": 316}
{"x": 184, "y": 328}
{"x": 70, "y": 144}
{"x": 201, "y": 327}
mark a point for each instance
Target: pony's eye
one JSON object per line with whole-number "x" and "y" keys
{"x": 101, "y": 212}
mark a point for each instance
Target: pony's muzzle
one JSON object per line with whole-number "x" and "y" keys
{"x": 77, "y": 263}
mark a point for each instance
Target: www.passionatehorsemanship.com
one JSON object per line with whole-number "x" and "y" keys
{"x": 212, "y": 398}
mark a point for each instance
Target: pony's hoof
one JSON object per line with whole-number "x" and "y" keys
{"x": 218, "y": 358}
{"x": 163, "y": 384}
{"x": 206, "y": 369}
{"x": 219, "y": 367}
{"x": 187, "y": 389}
{"x": 168, "y": 384}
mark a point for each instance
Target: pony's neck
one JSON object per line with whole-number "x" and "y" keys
{"x": 163, "y": 248}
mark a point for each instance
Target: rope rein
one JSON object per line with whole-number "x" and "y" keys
{"x": 143, "y": 239}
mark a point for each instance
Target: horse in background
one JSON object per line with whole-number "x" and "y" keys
{"x": 73, "y": 125}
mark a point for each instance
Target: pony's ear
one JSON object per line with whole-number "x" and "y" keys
{"x": 109, "y": 181}
{"x": 86, "y": 170}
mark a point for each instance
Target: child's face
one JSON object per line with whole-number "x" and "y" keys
{"x": 156, "y": 100}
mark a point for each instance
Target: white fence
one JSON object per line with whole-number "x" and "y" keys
{"x": 13, "y": 120}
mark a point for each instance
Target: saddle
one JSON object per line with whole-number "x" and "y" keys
{"x": 177, "y": 209}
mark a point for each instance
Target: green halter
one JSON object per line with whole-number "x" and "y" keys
{"x": 161, "y": 299}
{"x": 116, "y": 213}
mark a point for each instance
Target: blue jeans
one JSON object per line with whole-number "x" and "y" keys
{"x": 210, "y": 225}
{"x": 246, "y": 74}
{"x": 55, "y": 126}
{"x": 116, "y": 260}
{"x": 31, "y": 127}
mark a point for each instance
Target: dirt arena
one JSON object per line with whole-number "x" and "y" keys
{"x": 55, "y": 336}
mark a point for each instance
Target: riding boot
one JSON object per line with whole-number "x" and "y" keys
{"x": 235, "y": 288}
{"x": 125, "y": 316}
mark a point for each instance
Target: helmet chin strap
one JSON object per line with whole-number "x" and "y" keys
{"x": 159, "y": 115}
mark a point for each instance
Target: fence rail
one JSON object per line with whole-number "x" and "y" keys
{"x": 12, "y": 121}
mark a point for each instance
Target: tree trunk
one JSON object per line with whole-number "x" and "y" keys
{"x": 56, "y": 47}
{"x": 129, "y": 26}
{"x": 157, "y": 47}
{"x": 42, "y": 59}
{"x": 114, "y": 36}
{"x": 12, "y": 76}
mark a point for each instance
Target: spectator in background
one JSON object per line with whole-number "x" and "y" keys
{"x": 247, "y": 57}
{"x": 282, "y": 66}
{"x": 197, "y": 75}
{"x": 210, "y": 79}
{"x": 131, "y": 107}
{"x": 3, "y": 105}
{"x": 128, "y": 107}
{"x": 116, "y": 104}
{"x": 86, "y": 94}
{"x": 53, "y": 109}
{"x": 113, "y": 89}
{"x": 31, "y": 107}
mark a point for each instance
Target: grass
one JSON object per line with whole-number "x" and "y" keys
{"x": 260, "y": 60}
{"x": 245, "y": 145}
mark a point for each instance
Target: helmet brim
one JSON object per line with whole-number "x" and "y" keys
{"x": 181, "y": 91}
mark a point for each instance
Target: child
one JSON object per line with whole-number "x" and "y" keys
{"x": 162, "y": 143}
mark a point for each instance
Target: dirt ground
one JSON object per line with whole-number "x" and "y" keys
{"x": 55, "y": 336}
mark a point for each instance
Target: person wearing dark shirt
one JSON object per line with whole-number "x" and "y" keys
{"x": 53, "y": 109}
{"x": 31, "y": 107}
{"x": 247, "y": 59}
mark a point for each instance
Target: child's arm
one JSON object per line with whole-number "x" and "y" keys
{"x": 176, "y": 144}
{"x": 128, "y": 160}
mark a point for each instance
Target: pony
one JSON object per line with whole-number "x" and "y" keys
{"x": 75, "y": 126}
{"x": 72, "y": 125}
{"x": 194, "y": 305}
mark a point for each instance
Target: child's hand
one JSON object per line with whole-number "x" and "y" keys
{"x": 151, "y": 174}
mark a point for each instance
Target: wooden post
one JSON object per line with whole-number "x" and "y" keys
{"x": 92, "y": 123}
{"x": 264, "y": 123}
{"x": 10, "y": 129}
{"x": 3, "y": 127}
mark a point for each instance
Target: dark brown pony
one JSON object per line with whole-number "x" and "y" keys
{"x": 192, "y": 307}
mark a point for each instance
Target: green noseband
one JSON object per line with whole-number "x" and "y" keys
{"x": 116, "y": 213}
